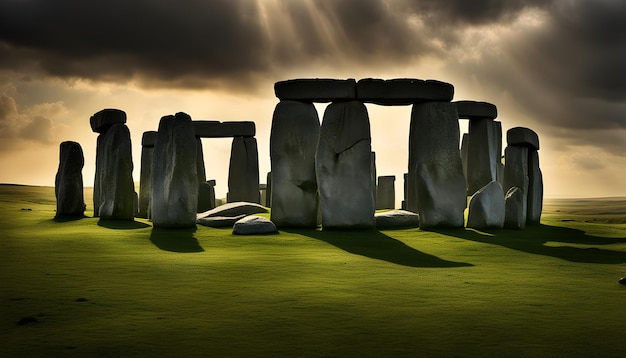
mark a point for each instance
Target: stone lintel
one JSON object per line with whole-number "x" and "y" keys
{"x": 148, "y": 139}
{"x": 402, "y": 91}
{"x": 104, "y": 119}
{"x": 521, "y": 136}
{"x": 316, "y": 89}
{"x": 476, "y": 110}
{"x": 216, "y": 129}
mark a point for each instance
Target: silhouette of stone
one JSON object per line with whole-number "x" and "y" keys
{"x": 405, "y": 187}
{"x": 476, "y": 110}
{"x": 234, "y": 209}
{"x": 254, "y": 225}
{"x": 147, "y": 147}
{"x": 535, "y": 189}
{"x": 148, "y": 138}
{"x": 216, "y": 129}
{"x": 316, "y": 89}
{"x": 68, "y": 184}
{"x": 135, "y": 204}
{"x": 243, "y": 172}
{"x": 200, "y": 161}
{"x": 396, "y": 218}
{"x": 386, "y": 192}
{"x": 402, "y": 91}
{"x": 117, "y": 191}
{"x": 436, "y": 183}
{"x": 97, "y": 181}
{"x": 373, "y": 176}
{"x": 268, "y": 190}
{"x": 464, "y": 153}
{"x": 486, "y": 207}
{"x": 514, "y": 211}
{"x": 293, "y": 142}
{"x": 206, "y": 196}
{"x": 498, "y": 155}
{"x": 481, "y": 156}
{"x": 343, "y": 163}
{"x": 220, "y": 221}
{"x": 103, "y": 120}
{"x": 174, "y": 174}
{"x": 520, "y": 136}
{"x": 516, "y": 172}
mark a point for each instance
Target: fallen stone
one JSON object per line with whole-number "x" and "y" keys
{"x": 396, "y": 218}
{"x": 293, "y": 142}
{"x": 476, "y": 110}
{"x": 514, "y": 211}
{"x": 234, "y": 209}
{"x": 148, "y": 139}
{"x": 68, "y": 184}
{"x": 220, "y": 221}
{"x": 520, "y": 136}
{"x": 316, "y": 89}
{"x": 516, "y": 172}
{"x": 486, "y": 208}
{"x": 402, "y": 91}
{"x": 117, "y": 190}
{"x": 622, "y": 281}
{"x": 254, "y": 225}
{"x": 535, "y": 189}
{"x": 481, "y": 156}
{"x": 386, "y": 192}
{"x": 243, "y": 171}
{"x": 103, "y": 120}
{"x": 216, "y": 129}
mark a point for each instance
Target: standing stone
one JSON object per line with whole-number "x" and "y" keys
{"x": 343, "y": 163}
{"x": 436, "y": 181}
{"x": 535, "y": 189}
{"x": 174, "y": 174}
{"x": 243, "y": 172}
{"x": 68, "y": 184}
{"x": 268, "y": 190}
{"x": 514, "y": 212}
{"x": 117, "y": 190}
{"x": 97, "y": 181}
{"x": 147, "y": 147}
{"x": 373, "y": 176}
{"x": 293, "y": 142}
{"x": 200, "y": 161}
{"x": 516, "y": 172}
{"x": 486, "y": 207}
{"x": 464, "y": 153}
{"x": 386, "y": 192}
{"x": 481, "y": 160}
{"x": 206, "y": 196}
{"x": 498, "y": 155}
{"x": 405, "y": 184}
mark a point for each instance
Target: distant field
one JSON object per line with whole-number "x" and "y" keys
{"x": 113, "y": 289}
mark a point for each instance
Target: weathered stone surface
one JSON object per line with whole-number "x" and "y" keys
{"x": 200, "y": 161}
{"x": 373, "y": 176}
{"x": 486, "y": 207}
{"x": 396, "y": 218}
{"x": 293, "y": 142}
{"x": 535, "y": 189}
{"x": 520, "y": 136}
{"x": 436, "y": 183}
{"x": 68, "y": 184}
{"x": 254, "y": 225}
{"x": 174, "y": 173}
{"x": 316, "y": 89}
{"x": 464, "y": 153}
{"x": 243, "y": 172}
{"x": 234, "y": 209}
{"x": 220, "y": 221}
{"x": 206, "y": 197}
{"x": 498, "y": 155}
{"x": 216, "y": 129}
{"x": 97, "y": 186}
{"x": 481, "y": 155}
{"x": 268, "y": 193}
{"x": 476, "y": 110}
{"x": 145, "y": 177}
{"x": 148, "y": 139}
{"x": 103, "y": 120}
{"x": 343, "y": 167}
{"x": 514, "y": 212}
{"x": 386, "y": 192}
{"x": 403, "y": 91}
{"x": 117, "y": 190}
{"x": 516, "y": 172}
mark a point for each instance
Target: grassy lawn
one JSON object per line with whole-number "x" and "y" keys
{"x": 82, "y": 288}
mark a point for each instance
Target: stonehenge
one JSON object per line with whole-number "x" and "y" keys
{"x": 68, "y": 184}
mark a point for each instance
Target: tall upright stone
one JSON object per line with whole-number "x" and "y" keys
{"x": 535, "y": 188}
{"x": 68, "y": 184}
{"x": 373, "y": 176}
{"x": 243, "y": 172}
{"x": 174, "y": 173}
{"x": 343, "y": 163}
{"x": 486, "y": 207}
{"x": 436, "y": 179}
{"x": 516, "y": 172}
{"x": 293, "y": 142}
{"x": 200, "y": 161}
{"x": 405, "y": 180}
{"x": 147, "y": 147}
{"x": 268, "y": 190}
{"x": 464, "y": 153}
{"x": 206, "y": 196}
{"x": 117, "y": 191}
{"x": 514, "y": 209}
{"x": 386, "y": 192}
{"x": 498, "y": 155}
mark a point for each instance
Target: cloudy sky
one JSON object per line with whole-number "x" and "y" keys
{"x": 554, "y": 66}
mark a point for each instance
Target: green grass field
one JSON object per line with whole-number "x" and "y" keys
{"x": 82, "y": 288}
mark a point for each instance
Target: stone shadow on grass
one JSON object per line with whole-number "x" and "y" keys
{"x": 122, "y": 224}
{"x": 533, "y": 238}
{"x": 65, "y": 219}
{"x": 175, "y": 240}
{"x": 376, "y": 245}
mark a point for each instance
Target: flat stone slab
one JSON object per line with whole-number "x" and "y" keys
{"x": 396, "y": 218}
{"x": 403, "y": 91}
{"x": 217, "y": 129}
{"x": 254, "y": 225}
{"x": 521, "y": 136}
{"x": 316, "y": 89}
{"x": 234, "y": 209}
{"x": 104, "y": 119}
{"x": 220, "y": 221}
{"x": 148, "y": 139}
{"x": 476, "y": 110}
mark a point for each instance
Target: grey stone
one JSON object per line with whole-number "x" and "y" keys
{"x": 117, "y": 189}
{"x": 396, "y": 218}
{"x": 343, "y": 163}
{"x": 234, "y": 209}
{"x": 220, "y": 221}
{"x": 136, "y": 204}
{"x": 200, "y": 161}
{"x": 68, "y": 184}
{"x": 316, "y": 89}
{"x": 514, "y": 211}
{"x": 103, "y": 120}
{"x": 97, "y": 186}
{"x": 498, "y": 155}
{"x": 206, "y": 197}
{"x": 293, "y": 142}
{"x": 386, "y": 192}
{"x": 516, "y": 173}
{"x": 373, "y": 177}
{"x": 243, "y": 172}
{"x": 403, "y": 91}
{"x": 486, "y": 207}
{"x": 268, "y": 193}
{"x": 481, "y": 155}
{"x": 535, "y": 189}
{"x": 436, "y": 182}
{"x": 216, "y": 129}
{"x": 476, "y": 110}
{"x": 405, "y": 178}
{"x": 145, "y": 175}
{"x": 174, "y": 174}
{"x": 520, "y": 136}
{"x": 148, "y": 139}
{"x": 254, "y": 225}
{"x": 464, "y": 153}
